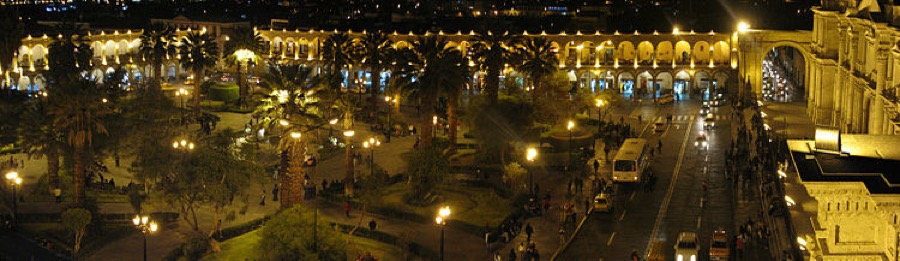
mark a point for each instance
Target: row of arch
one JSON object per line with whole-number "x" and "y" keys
{"x": 110, "y": 48}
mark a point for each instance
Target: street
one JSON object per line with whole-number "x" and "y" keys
{"x": 673, "y": 204}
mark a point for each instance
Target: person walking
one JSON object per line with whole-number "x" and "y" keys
{"x": 372, "y": 225}
{"x": 347, "y": 209}
{"x": 562, "y": 235}
{"x": 528, "y": 231}
{"x": 739, "y": 246}
{"x": 512, "y": 255}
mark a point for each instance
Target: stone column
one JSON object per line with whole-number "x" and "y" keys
{"x": 876, "y": 108}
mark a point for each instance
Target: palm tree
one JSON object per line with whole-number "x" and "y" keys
{"x": 11, "y": 38}
{"x": 242, "y": 48}
{"x": 376, "y": 45}
{"x": 39, "y": 138}
{"x": 288, "y": 89}
{"x": 78, "y": 116}
{"x": 70, "y": 53}
{"x": 433, "y": 71}
{"x": 491, "y": 53}
{"x": 156, "y": 48}
{"x": 339, "y": 51}
{"x": 537, "y": 60}
{"x": 456, "y": 76}
{"x": 198, "y": 52}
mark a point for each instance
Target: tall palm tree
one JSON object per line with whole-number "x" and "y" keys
{"x": 432, "y": 70}
{"x": 156, "y": 48}
{"x": 455, "y": 76}
{"x": 376, "y": 46}
{"x": 288, "y": 88}
{"x": 491, "y": 53}
{"x": 10, "y": 39}
{"x": 241, "y": 49}
{"x": 536, "y": 59}
{"x": 39, "y": 138}
{"x": 70, "y": 53}
{"x": 338, "y": 51}
{"x": 198, "y": 52}
{"x": 78, "y": 116}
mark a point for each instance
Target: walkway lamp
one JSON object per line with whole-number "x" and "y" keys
{"x": 348, "y": 147}
{"x": 146, "y": 226}
{"x": 531, "y": 155}
{"x": 370, "y": 145}
{"x": 15, "y": 181}
{"x": 441, "y": 221}
{"x": 569, "y": 127}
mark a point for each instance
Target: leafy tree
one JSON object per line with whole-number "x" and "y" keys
{"x": 156, "y": 48}
{"x": 13, "y": 104}
{"x": 427, "y": 169}
{"x": 76, "y": 221}
{"x": 209, "y": 175}
{"x": 514, "y": 176}
{"x": 297, "y": 234}
{"x": 39, "y": 138}
{"x": 147, "y": 117}
{"x": 491, "y": 53}
{"x": 198, "y": 53}
{"x": 79, "y": 116}
{"x": 498, "y": 125}
{"x": 241, "y": 48}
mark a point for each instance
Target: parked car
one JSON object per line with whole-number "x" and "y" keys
{"x": 665, "y": 98}
{"x": 659, "y": 125}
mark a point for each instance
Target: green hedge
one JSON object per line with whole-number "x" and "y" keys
{"x": 413, "y": 247}
{"x": 224, "y": 92}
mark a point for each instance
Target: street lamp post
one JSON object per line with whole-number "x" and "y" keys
{"x": 371, "y": 144}
{"x": 146, "y": 226}
{"x": 599, "y": 119}
{"x": 531, "y": 155}
{"x": 441, "y": 221}
{"x": 434, "y": 126}
{"x": 181, "y": 93}
{"x": 569, "y": 127}
{"x": 348, "y": 180}
{"x": 15, "y": 181}
{"x": 390, "y": 109}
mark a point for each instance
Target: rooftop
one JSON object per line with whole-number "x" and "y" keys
{"x": 880, "y": 174}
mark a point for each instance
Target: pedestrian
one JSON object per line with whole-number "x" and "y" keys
{"x": 739, "y": 246}
{"x": 275, "y": 192}
{"x": 512, "y": 255}
{"x": 659, "y": 145}
{"x": 521, "y": 250}
{"x": 372, "y": 225}
{"x": 528, "y": 231}
{"x": 347, "y": 208}
{"x": 497, "y": 257}
{"x": 57, "y": 193}
{"x": 562, "y": 235}
{"x": 262, "y": 200}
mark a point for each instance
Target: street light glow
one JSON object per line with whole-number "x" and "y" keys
{"x": 743, "y": 26}
{"x": 599, "y": 103}
{"x": 283, "y": 122}
{"x": 333, "y": 121}
{"x": 296, "y": 135}
{"x": 434, "y": 120}
{"x": 571, "y": 125}
{"x": 349, "y": 133}
{"x": 444, "y": 212}
{"x": 17, "y": 181}
{"x": 531, "y": 154}
{"x": 12, "y": 175}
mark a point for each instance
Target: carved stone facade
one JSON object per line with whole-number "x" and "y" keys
{"x": 852, "y": 224}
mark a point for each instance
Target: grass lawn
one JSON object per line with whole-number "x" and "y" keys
{"x": 92, "y": 242}
{"x": 244, "y": 247}
{"x": 472, "y": 205}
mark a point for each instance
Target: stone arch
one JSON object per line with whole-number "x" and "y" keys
{"x": 135, "y": 45}
{"x": 645, "y": 83}
{"x": 97, "y": 75}
{"x": 626, "y": 83}
{"x": 109, "y": 49}
{"x": 801, "y": 74}
{"x": 24, "y": 53}
{"x": 681, "y": 82}
{"x": 586, "y": 81}
{"x": 721, "y": 79}
{"x": 702, "y": 81}
{"x": 665, "y": 51}
{"x": 554, "y": 47}
{"x": 40, "y": 82}
{"x": 290, "y": 46}
{"x": 97, "y": 47}
{"x": 465, "y": 47}
{"x": 38, "y": 52}
{"x": 570, "y": 52}
{"x": 665, "y": 81}
{"x": 122, "y": 48}
{"x": 402, "y": 44}
{"x": 277, "y": 45}
{"x": 682, "y": 52}
{"x": 452, "y": 44}
{"x": 646, "y": 52}
{"x": 24, "y": 83}
{"x": 588, "y": 54}
{"x": 606, "y": 80}
{"x": 625, "y": 51}
{"x": 606, "y": 51}
{"x": 701, "y": 51}
{"x": 721, "y": 52}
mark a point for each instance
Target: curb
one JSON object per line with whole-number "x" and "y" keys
{"x": 565, "y": 245}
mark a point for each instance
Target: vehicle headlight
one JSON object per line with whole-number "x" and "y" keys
{"x": 680, "y": 258}
{"x": 693, "y": 258}
{"x": 695, "y": 143}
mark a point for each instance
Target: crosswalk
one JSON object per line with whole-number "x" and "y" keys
{"x": 690, "y": 118}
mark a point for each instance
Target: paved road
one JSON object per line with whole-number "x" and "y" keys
{"x": 661, "y": 212}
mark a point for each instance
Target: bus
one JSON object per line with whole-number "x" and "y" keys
{"x": 631, "y": 161}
